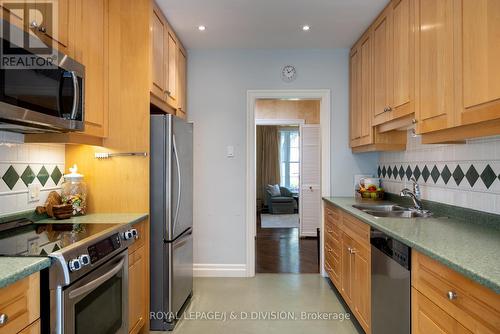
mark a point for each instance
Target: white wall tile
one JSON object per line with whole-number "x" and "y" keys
{"x": 20, "y": 156}
{"x": 477, "y": 152}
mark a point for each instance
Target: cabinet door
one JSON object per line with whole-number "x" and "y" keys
{"x": 172, "y": 69}
{"x": 347, "y": 269}
{"x": 366, "y": 91}
{"x": 355, "y": 97}
{"x": 34, "y": 328}
{"x": 91, "y": 46}
{"x": 159, "y": 47}
{"x": 428, "y": 318}
{"x": 52, "y": 19}
{"x": 362, "y": 285}
{"x": 478, "y": 53}
{"x": 434, "y": 68}
{"x": 382, "y": 68}
{"x": 403, "y": 58}
{"x": 182, "y": 83}
{"x": 137, "y": 290}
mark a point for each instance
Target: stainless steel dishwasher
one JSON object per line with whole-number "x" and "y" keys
{"x": 391, "y": 285}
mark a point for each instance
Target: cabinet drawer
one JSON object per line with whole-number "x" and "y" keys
{"x": 141, "y": 230}
{"x": 332, "y": 212}
{"x": 476, "y": 307}
{"x": 332, "y": 267}
{"x": 356, "y": 229}
{"x": 20, "y": 302}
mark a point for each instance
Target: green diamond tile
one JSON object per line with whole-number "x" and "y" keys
{"x": 43, "y": 175}
{"x": 10, "y": 177}
{"x": 28, "y": 176}
{"x": 56, "y": 175}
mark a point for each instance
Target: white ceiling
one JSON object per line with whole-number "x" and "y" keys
{"x": 270, "y": 23}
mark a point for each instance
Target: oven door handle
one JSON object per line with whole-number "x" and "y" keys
{"x": 76, "y": 97}
{"x": 97, "y": 282}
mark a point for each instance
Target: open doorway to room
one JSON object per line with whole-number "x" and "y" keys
{"x": 288, "y": 180}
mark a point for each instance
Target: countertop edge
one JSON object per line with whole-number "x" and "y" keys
{"x": 25, "y": 272}
{"x": 482, "y": 280}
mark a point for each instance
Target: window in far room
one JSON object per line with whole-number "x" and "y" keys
{"x": 290, "y": 158}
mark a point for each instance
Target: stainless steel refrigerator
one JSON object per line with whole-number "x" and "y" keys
{"x": 171, "y": 221}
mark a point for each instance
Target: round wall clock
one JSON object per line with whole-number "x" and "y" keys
{"x": 288, "y": 73}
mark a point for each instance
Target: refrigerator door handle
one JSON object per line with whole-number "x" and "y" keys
{"x": 177, "y": 207}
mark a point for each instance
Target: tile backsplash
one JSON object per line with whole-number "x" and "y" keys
{"x": 466, "y": 175}
{"x": 22, "y": 164}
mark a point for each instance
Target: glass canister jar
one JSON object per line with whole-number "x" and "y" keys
{"x": 74, "y": 191}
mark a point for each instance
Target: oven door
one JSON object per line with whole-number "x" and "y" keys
{"x": 98, "y": 303}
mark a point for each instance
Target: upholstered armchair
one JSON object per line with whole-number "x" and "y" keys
{"x": 280, "y": 202}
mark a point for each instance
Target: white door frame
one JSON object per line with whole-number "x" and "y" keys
{"x": 251, "y": 201}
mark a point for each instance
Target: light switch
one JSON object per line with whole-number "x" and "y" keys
{"x": 230, "y": 151}
{"x": 33, "y": 192}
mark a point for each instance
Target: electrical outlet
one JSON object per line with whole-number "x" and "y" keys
{"x": 33, "y": 192}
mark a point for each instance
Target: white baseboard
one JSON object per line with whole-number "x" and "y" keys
{"x": 219, "y": 270}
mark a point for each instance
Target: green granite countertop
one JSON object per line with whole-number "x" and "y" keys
{"x": 470, "y": 248}
{"x": 99, "y": 218}
{"x": 13, "y": 269}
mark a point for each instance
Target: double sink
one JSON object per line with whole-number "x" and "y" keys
{"x": 391, "y": 210}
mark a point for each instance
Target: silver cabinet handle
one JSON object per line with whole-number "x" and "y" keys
{"x": 353, "y": 251}
{"x": 42, "y": 29}
{"x": 385, "y": 109}
{"x": 452, "y": 295}
{"x": 389, "y": 109}
{"x": 349, "y": 249}
{"x": 3, "y": 319}
{"x": 168, "y": 92}
{"x": 34, "y": 24}
{"x": 414, "y": 121}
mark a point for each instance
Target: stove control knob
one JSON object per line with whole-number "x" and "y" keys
{"x": 84, "y": 259}
{"x": 128, "y": 235}
{"x": 74, "y": 265}
{"x": 135, "y": 234}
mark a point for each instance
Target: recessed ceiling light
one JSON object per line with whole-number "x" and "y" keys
{"x": 201, "y": 28}
{"x": 306, "y": 28}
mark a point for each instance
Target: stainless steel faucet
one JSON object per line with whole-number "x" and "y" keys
{"x": 415, "y": 195}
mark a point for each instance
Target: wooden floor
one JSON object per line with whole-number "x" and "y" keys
{"x": 280, "y": 250}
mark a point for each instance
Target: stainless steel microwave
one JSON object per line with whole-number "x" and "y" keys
{"x": 38, "y": 100}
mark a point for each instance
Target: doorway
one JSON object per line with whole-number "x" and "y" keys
{"x": 280, "y": 242}
{"x": 323, "y": 95}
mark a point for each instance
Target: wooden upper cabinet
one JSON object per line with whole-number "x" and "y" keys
{"x": 382, "y": 67}
{"x": 366, "y": 130}
{"x": 403, "y": 58}
{"x": 182, "y": 84}
{"x": 92, "y": 51}
{"x": 434, "y": 68}
{"x": 361, "y": 93}
{"x": 477, "y": 56}
{"x": 168, "y": 66}
{"x": 172, "y": 68}
{"x": 355, "y": 96}
{"x": 393, "y": 62}
{"x": 50, "y": 22}
{"x": 159, "y": 48}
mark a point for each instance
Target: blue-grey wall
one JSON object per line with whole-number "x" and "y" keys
{"x": 218, "y": 82}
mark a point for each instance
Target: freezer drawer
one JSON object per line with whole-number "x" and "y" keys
{"x": 182, "y": 270}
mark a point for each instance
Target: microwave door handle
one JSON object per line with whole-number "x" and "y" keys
{"x": 97, "y": 282}
{"x": 76, "y": 97}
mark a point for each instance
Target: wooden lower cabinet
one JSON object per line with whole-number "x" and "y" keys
{"x": 348, "y": 262}
{"x": 34, "y": 328}
{"x": 20, "y": 303}
{"x": 444, "y": 301}
{"x": 428, "y": 318}
{"x": 137, "y": 290}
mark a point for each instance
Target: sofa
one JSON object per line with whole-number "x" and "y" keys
{"x": 280, "y": 200}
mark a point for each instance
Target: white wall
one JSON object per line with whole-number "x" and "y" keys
{"x": 218, "y": 81}
{"x": 480, "y": 190}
